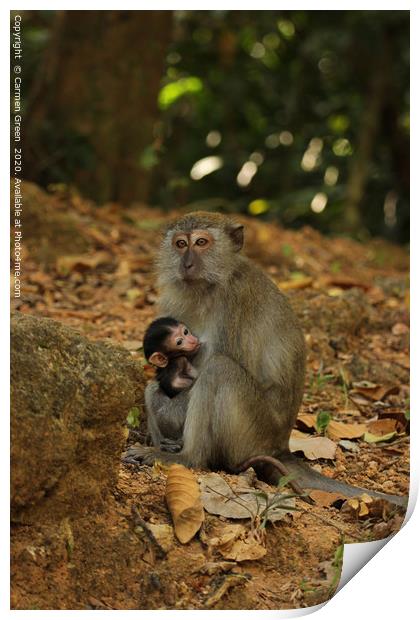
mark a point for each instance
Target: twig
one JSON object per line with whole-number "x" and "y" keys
{"x": 255, "y": 460}
{"x": 161, "y": 553}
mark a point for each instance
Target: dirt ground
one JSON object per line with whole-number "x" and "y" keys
{"x": 353, "y": 302}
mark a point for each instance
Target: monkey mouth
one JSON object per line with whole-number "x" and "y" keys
{"x": 187, "y": 276}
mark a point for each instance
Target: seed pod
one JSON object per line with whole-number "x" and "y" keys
{"x": 184, "y": 502}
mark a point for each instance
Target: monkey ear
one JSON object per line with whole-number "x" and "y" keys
{"x": 158, "y": 359}
{"x": 236, "y": 233}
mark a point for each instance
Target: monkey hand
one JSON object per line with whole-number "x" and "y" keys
{"x": 171, "y": 445}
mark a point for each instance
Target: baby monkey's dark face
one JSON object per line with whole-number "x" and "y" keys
{"x": 181, "y": 340}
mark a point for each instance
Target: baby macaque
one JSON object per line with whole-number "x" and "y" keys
{"x": 168, "y": 345}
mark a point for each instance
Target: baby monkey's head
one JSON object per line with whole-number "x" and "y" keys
{"x": 167, "y": 338}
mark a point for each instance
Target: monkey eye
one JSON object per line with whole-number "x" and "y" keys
{"x": 179, "y": 342}
{"x": 201, "y": 241}
{"x": 185, "y": 331}
{"x": 181, "y": 243}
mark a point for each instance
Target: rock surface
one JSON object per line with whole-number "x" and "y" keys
{"x": 70, "y": 400}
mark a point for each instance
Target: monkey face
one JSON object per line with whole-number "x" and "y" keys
{"x": 192, "y": 248}
{"x": 200, "y": 247}
{"x": 181, "y": 340}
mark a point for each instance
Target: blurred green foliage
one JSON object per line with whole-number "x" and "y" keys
{"x": 279, "y": 99}
{"x": 298, "y": 116}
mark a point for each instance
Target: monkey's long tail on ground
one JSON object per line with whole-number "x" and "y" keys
{"x": 307, "y": 478}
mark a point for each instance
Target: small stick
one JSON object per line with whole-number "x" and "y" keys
{"x": 161, "y": 553}
{"x": 255, "y": 460}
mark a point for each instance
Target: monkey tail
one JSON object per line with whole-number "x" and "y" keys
{"x": 308, "y": 478}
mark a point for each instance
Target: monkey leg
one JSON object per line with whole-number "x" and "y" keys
{"x": 165, "y": 422}
{"x": 229, "y": 419}
{"x": 165, "y": 416}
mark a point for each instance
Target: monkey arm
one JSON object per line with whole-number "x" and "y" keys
{"x": 165, "y": 416}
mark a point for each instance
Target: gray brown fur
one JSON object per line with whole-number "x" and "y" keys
{"x": 251, "y": 366}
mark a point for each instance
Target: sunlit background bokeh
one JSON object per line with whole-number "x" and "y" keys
{"x": 297, "y": 116}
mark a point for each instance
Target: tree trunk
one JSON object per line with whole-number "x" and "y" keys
{"x": 359, "y": 168}
{"x": 92, "y": 109}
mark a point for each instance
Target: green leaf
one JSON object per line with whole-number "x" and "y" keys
{"x": 173, "y": 91}
{"x": 148, "y": 158}
{"x": 371, "y": 438}
{"x": 133, "y": 418}
{"x": 287, "y": 250}
{"x": 284, "y": 480}
{"x": 322, "y": 420}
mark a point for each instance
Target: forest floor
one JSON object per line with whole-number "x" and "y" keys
{"x": 353, "y": 303}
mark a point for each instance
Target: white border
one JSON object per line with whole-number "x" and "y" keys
{"x": 387, "y": 586}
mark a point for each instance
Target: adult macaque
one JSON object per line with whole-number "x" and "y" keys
{"x": 251, "y": 366}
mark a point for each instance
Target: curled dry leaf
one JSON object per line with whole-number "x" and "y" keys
{"x": 312, "y": 447}
{"x": 184, "y": 502}
{"x": 306, "y": 422}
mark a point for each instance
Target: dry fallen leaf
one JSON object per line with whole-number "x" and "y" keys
{"x": 370, "y": 438}
{"x": 342, "y": 281}
{"x": 306, "y": 422}
{"x": 326, "y": 498}
{"x": 312, "y": 447}
{"x": 398, "y": 415}
{"x": 244, "y": 548}
{"x": 373, "y": 391}
{"x": 215, "y": 568}
{"x": 245, "y": 503}
{"x": 82, "y": 262}
{"x": 341, "y": 430}
{"x": 234, "y": 542}
{"x": 163, "y": 533}
{"x": 350, "y": 446}
{"x": 184, "y": 502}
{"x": 365, "y": 505}
{"x": 382, "y": 427}
{"x": 295, "y": 283}
{"x": 220, "y": 534}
